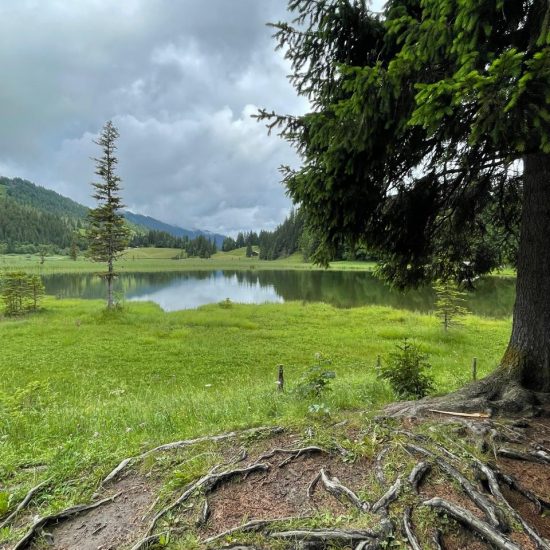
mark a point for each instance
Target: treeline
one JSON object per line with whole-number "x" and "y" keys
{"x": 24, "y": 229}
{"x": 199, "y": 247}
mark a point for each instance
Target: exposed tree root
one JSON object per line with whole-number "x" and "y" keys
{"x": 294, "y": 453}
{"x": 65, "y": 514}
{"x": 473, "y": 523}
{"x": 187, "y": 443}
{"x": 494, "y": 514}
{"x": 335, "y": 488}
{"x": 493, "y": 395}
{"x": 206, "y": 483}
{"x": 254, "y": 525}
{"x": 411, "y": 537}
{"x": 539, "y": 457}
{"x": 418, "y": 473}
{"x": 388, "y": 497}
{"x": 452, "y": 459}
{"x": 326, "y": 535}
{"x": 23, "y": 503}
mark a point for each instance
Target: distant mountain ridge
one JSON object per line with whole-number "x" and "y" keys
{"x": 32, "y": 214}
{"x": 174, "y": 230}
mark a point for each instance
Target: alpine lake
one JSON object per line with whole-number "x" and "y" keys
{"x": 492, "y": 297}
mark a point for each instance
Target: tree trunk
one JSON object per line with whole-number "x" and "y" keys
{"x": 522, "y": 382}
{"x": 110, "y": 277}
{"x": 527, "y": 358}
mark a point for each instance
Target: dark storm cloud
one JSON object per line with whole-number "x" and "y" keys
{"x": 180, "y": 78}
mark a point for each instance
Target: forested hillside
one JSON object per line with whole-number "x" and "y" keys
{"x": 31, "y": 217}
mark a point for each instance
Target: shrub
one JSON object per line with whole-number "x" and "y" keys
{"x": 316, "y": 379}
{"x": 21, "y": 292}
{"x": 406, "y": 372}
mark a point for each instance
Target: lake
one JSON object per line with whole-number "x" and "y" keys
{"x": 493, "y": 296}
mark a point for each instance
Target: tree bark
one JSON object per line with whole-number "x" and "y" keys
{"x": 110, "y": 277}
{"x": 527, "y": 358}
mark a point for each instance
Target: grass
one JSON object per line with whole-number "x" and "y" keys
{"x": 81, "y": 388}
{"x": 164, "y": 259}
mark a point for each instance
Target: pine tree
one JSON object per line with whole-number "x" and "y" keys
{"x": 448, "y": 303}
{"x": 108, "y": 234}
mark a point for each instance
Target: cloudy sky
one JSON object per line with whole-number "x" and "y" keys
{"x": 180, "y": 79}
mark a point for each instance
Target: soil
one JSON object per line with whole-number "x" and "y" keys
{"x": 282, "y": 492}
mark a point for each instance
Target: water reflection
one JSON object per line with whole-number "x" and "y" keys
{"x": 182, "y": 290}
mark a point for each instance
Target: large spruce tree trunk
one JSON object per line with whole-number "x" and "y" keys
{"x": 527, "y": 359}
{"x": 110, "y": 277}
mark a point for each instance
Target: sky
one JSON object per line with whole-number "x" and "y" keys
{"x": 179, "y": 78}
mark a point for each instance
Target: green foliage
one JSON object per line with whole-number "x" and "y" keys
{"x": 405, "y": 371}
{"x": 448, "y": 304}
{"x": 316, "y": 379}
{"x": 21, "y": 292}
{"x": 108, "y": 234}
{"x": 418, "y": 119}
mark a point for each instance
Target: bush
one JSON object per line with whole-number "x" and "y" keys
{"x": 406, "y": 372}
{"x": 316, "y": 380}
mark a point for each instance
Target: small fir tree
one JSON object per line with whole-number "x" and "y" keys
{"x": 108, "y": 234}
{"x": 74, "y": 250}
{"x": 448, "y": 304}
{"x": 249, "y": 251}
{"x": 36, "y": 292}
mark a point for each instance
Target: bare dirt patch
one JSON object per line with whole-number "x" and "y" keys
{"x": 110, "y": 525}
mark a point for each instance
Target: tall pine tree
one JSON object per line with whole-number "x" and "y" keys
{"x": 108, "y": 234}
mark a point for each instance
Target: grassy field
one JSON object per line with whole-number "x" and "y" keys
{"x": 80, "y": 388}
{"x": 164, "y": 259}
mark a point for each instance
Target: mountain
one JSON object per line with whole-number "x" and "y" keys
{"x": 31, "y": 215}
{"x": 174, "y": 230}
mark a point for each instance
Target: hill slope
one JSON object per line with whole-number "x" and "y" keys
{"x": 31, "y": 215}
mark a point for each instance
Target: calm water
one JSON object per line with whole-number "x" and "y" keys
{"x": 493, "y": 296}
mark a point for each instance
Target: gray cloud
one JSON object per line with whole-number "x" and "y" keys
{"x": 180, "y": 78}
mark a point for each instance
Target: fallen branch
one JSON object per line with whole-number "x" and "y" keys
{"x": 482, "y": 528}
{"x": 64, "y": 514}
{"x": 461, "y": 414}
{"x": 411, "y": 537}
{"x": 335, "y": 488}
{"x": 187, "y": 443}
{"x": 23, "y": 503}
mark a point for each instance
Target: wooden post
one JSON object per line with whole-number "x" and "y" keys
{"x": 281, "y": 380}
{"x": 474, "y": 369}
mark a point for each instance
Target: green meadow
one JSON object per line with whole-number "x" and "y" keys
{"x": 81, "y": 388}
{"x": 164, "y": 259}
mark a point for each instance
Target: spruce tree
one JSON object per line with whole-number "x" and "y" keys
{"x": 107, "y": 234}
{"x": 429, "y": 129}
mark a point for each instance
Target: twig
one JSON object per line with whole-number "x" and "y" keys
{"x": 473, "y": 523}
{"x": 23, "y": 503}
